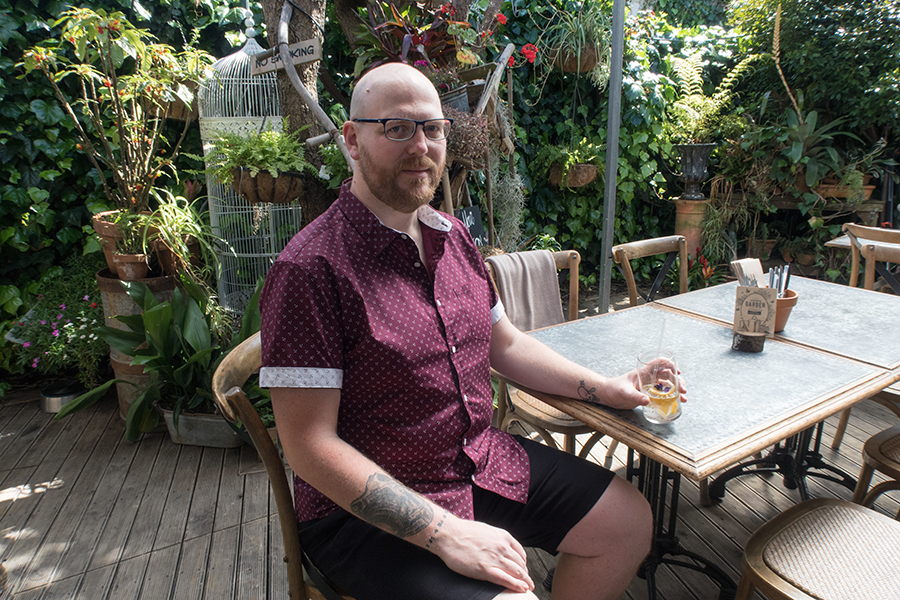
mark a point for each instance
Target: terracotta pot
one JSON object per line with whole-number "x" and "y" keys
{"x": 783, "y": 307}
{"x": 109, "y": 234}
{"x": 838, "y": 191}
{"x": 689, "y": 216}
{"x": 760, "y": 248}
{"x": 579, "y": 175}
{"x": 131, "y": 267}
{"x": 167, "y": 258}
{"x": 283, "y": 189}
{"x": 116, "y": 301}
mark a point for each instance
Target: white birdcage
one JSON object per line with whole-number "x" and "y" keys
{"x": 232, "y": 100}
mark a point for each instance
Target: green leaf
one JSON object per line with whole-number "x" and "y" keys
{"x": 48, "y": 114}
{"x": 87, "y": 399}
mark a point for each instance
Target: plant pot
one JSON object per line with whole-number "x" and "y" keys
{"x": 840, "y": 191}
{"x": 57, "y": 394}
{"x": 283, "y": 189}
{"x": 694, "y": 160}
{"x": 131, "y": 267}
{"x": 783, "y": 307}
{"x": 689, "y": 216}
{"x": 109, "y": 234}
{"x": 760, "y": 248}
{"x": 457, "y": 99}
{"x": 578, "y": 175}
{"x": 572, "y": 63}
{"x": 116, "y": 301}
{"x": 168, "y": 262}
{"x": 212, "y": 431}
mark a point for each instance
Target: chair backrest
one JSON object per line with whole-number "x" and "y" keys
{"x": 671, "y": 246}
{"x": 232, "y": 373}
{"x": 528, "y": 286}
{"x": 874, "y": 244}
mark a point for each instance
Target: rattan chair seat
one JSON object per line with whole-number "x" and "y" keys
{"x": 824, "y": 549}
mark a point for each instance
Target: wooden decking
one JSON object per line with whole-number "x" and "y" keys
{"x": 86, "y": 515}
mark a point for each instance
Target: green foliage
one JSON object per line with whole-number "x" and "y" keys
{"x": 180, "y": 343}
{"x": 57, "y": 335}
{"x": 697, "y": 118}
{"x": 689, "y": 13}
{"x": 844, "y": 56}
{"x": 272, "y": 151}
{"x": 576, "y": 30}
{"x": 49, "y": 189}
{"x": 125, "y": 86}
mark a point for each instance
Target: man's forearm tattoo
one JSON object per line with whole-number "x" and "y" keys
{"x": 435, "y": 532}
{"x": 588, "y": 394}
{"x": 387, "y": 504}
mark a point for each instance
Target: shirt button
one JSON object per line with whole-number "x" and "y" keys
{"x": 438, "y": 302}
{"x": 404, "y": 236}
{"x": 453, "y": 349}
{"x": 417, "y": 264}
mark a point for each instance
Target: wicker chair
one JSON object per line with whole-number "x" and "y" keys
{"x": 823, "y": 549}
{"x": 517, "y": 406}
{"x": 888, "y": 250}
{"x": 881, "y": 453}
{"x": 304, "y": 580}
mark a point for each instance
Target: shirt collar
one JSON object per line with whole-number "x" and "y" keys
{"x": 375, "y": 233}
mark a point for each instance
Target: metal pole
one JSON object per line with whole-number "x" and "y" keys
{"x": 612, "y": 150}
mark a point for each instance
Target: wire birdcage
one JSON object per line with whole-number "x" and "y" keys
{"x": 232, "y": 100}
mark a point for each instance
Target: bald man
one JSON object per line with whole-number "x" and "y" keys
{"x": 379, "y": 328}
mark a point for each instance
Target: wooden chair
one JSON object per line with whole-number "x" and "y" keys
{"x": 880, "y": 453}
{"x": 864, "y": 242}
{"x": 304, "y": 580}
{"x": 823, "y": 549}
{"x": 672, "y": 246}
{"x": 517, "y": 406}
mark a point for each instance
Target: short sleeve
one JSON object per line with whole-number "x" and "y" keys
{"x": 301, "y": 331}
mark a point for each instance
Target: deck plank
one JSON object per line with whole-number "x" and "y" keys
{"x": 88, "y": 516}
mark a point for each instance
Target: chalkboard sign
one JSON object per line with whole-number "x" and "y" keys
{"x": 471, "y": 218}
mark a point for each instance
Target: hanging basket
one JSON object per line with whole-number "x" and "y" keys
{"x": 283, "y": 189}
{"x": 578, "y": 175}
{"x": 573, "y": 63}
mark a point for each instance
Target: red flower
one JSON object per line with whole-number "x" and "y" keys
{"x": 512, "y": 61}
{"x": 501, "y": 18}
{"x": 93, "y": 305}
{"x": 530, "y": 52}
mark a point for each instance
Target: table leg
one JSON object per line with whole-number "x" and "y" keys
{"x": 793, "y": 460}
{"x": 661, "y": 487}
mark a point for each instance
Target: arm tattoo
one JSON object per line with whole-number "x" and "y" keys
{"x": 387, "y": 504}
{"x": 588, "y": 394}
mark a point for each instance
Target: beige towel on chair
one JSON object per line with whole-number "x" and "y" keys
{"x": 528, "y": 286}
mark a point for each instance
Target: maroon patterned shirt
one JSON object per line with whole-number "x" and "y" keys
{"x": 349, "y": 305}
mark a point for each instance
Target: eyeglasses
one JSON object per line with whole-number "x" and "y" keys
{"x": 400, "y": 130}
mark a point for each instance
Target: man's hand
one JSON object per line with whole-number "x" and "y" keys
{"x": 622, "y": 392}
{"x": 483, "y": 552}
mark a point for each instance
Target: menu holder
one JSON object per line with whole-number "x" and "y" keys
{"x": 754, "y": 317}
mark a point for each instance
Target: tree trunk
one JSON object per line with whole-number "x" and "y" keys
{"x": 316, "y": 198}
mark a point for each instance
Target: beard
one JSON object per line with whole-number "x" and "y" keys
{"x": 383, "y": 182}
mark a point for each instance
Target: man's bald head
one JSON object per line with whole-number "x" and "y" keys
{"x": 391, "y": 80}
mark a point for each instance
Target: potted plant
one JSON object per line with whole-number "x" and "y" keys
{"x": 126, "y": 84}
{"x": 130, "y": 255}
{"x": 179, "y": 343}
{"x": 182, "y": 238}
{"x": 266, "y": 166}
{"x": 569, "y": 166}
{"x": 576, "y": 39}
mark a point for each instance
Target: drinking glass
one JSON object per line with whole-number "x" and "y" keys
{"x": 658, "y": 376}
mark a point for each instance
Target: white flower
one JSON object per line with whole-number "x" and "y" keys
{"x": 324, "y": 173}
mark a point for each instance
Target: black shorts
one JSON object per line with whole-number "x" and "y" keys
{"x": 371, "y": 564}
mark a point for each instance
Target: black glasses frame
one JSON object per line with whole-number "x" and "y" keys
{"x": 384, "y": 123}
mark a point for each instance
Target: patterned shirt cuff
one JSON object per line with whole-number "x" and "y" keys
{"x": 300, "y": 377}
